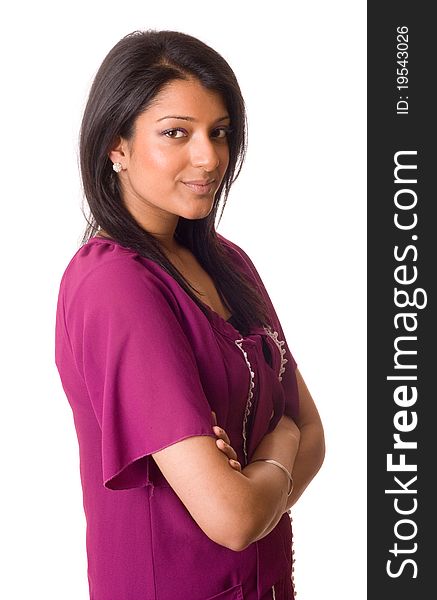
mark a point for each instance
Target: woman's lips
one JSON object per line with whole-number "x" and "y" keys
{"x": 199, "y": 189}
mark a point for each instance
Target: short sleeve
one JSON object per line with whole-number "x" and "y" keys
{"x": 288, "y": 368}
{"x": 137, "y": 365}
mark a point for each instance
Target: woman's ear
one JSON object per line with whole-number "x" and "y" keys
{"x": 118, "y": 153}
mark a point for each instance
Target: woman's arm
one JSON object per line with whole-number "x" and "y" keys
{"x": 278, "y": 444}
{"x": 311, "y": 451}
{"x": 228, "y": 506}
{"x": 307, "y": 461}
{"x": 282, "y": 445}
{"x": 234, "y": 508}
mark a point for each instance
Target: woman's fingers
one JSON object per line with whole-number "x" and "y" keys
{"x": 223, "y": 444}
{"x": 235, "y": 464}
{"x": 226, "y": 449}
{"x": 230, "y": 453}
{"x": 221, "y": 433}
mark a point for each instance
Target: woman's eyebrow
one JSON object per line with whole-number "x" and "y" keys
{"x": 185, "y": 118}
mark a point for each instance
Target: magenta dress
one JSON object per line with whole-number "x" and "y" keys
{"x": 142, "y": 367}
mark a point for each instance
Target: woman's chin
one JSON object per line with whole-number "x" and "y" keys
{"x": 197, "y": 212}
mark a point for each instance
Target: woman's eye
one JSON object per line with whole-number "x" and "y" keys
{"x": 168, "y": 131}
{"x": 222, "y": 131}
{"x": 225, "y": 130}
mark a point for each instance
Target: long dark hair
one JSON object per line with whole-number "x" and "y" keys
{"x": 129, "y": 78}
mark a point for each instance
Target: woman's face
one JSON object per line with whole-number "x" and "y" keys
{"x": 167, "y": 152}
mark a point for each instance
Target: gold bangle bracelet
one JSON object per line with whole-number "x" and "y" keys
{"x": 286, "y": 471}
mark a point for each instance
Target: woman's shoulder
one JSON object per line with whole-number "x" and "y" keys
{"x": 96, "y": 254}
{"x": 239, "y": 256}
{"x": 103, "y": 265}
{"x": 228, "y": 244}
{"x": 233, "y": 249}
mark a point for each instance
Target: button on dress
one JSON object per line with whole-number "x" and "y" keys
{"x": 142, "y": 367}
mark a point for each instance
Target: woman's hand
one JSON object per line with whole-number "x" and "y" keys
{"x": 285, "y": 424}
{"x": 223, "y": 444}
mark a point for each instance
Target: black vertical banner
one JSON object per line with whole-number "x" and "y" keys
{"x": 402, "y": 268}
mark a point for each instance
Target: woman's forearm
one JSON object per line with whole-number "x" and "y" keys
{"x": 306, "y": 463}
{"x": 308, "y": 460}
{"x": 270, "y": 483}
{"x": 303, "y": 464}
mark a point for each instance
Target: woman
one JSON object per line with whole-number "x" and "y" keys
{"x": 164, "y": 329}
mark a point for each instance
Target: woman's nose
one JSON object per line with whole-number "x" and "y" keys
{"x": 204, "y": 154}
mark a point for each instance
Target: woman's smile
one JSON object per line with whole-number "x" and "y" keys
{"x": 200, "y": 189}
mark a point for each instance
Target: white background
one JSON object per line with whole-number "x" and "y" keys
{"x": 298, "y": 209}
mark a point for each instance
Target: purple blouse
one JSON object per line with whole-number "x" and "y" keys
{"x": 142, "y": 368}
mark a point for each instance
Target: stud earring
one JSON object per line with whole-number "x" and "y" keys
{"x": 117, "y": 167}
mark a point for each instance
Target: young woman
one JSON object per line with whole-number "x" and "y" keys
{"x": 164, "y": 329}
